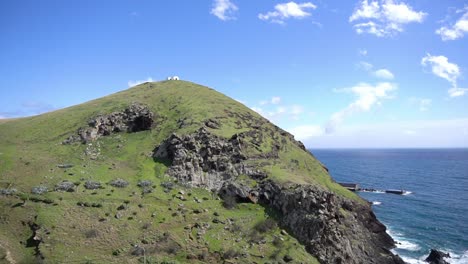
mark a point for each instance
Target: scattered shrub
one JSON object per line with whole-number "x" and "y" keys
{"x": 92, "y": 233}
{"x": 65, "y": 186}
{"x": 138, "y": 251}
{"x": 147, "y": 189}
{"x": 229, "y": 202}
{"x": 119, "y": 183}
{"x": 277, "y": 242}
{"x": 145, "y": 183}
{"x": 92, "y": 185}
{"x": 39, "y": 189}
{"x": 266, "y": 225}
{"x": 167, "y": 185}
{"x": 230, "y": 254}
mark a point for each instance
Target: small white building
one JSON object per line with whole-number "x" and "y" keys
{"x": 173, "y": 78}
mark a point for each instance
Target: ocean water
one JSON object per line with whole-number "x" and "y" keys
{"x": 435, "y": 212}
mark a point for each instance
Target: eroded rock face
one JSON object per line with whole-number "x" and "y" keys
{"x": 134, "y": 118}
{"x": 203, "y": 159}
{"x": 333, "y": 229}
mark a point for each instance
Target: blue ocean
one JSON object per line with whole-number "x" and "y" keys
{"x": 433, "y": 213}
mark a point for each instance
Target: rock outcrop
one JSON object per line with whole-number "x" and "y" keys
{"x": 333, "y": 228}
{"x": 437, "y": 257}
{"x": 134, "y": 118}
{"x": 204, "y": 160}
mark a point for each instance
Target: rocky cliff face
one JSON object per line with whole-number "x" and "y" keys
{"x": 134, "y": 118}
{"x": 205, "y": 160}
{"x": 333, "y": 228}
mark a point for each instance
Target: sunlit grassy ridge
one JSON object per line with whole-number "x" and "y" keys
{"x": 31, "y": 149}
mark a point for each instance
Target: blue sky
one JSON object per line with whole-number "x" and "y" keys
{"x": 334, "y": 73}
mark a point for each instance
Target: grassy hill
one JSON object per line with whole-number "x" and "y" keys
{"x": 122, "y": 225}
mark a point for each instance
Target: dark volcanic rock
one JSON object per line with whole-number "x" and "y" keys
{"x": 317, "y": 218}
{"x": 333, "y": 229}
{"x": 203, "y": 159}
{"x": 134, "y": 118}
{"x": 437, "y": 257}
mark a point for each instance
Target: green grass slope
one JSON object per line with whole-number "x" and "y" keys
{"x": 166, "y": 226}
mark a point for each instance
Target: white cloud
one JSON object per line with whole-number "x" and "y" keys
{"x": 275, "y": 100}
{"x": 456, "y": 30}
{"x": 380, "y": 73}
{"x": 384, "y": 74}
{"x": 273, "y": 109}
{"x": 363, "y": 52}
{"x": 455, "y": 92}
{"x": 367, "y": 97}
{"x": 306, "y": 132}
{"x": 365, "y": 66}
{"x": 419, "y": 134}
{"x": 442, "y": 67}
{"x": 288, "y": 10}
{"x": 384, "y": 18}
{"x": 224, "y": 9}
{"x": 137, "y": 82}
{"x": 422, "y": 103}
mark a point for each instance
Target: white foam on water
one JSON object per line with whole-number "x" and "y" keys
{"x": 407, "y": 245}
{"x": 413, "y": 260}
{"x": 376, "y": 203}
{"x": 407, "y": 193}
{"x": 454, "y": 258}
{"x": 457, "y": 259}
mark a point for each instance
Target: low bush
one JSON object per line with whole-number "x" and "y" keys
{"x": 266, "y": 225}
{"x": 65, "y": 186}
{"x": 119, "y": 183}
{"x": 145, "y": 183}
{"x": 92, "y": 185}
{"x": 229, "y": 202}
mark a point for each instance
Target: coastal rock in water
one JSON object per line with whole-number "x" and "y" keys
{"x": 437, "y": 257}
{"x": 134, "y": 118}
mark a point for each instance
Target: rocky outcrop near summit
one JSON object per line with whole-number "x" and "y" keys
{"x": 333, "y": 228}
{"x": 134, "y": 118}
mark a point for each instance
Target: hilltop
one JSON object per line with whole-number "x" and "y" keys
{"x": 177, "y": 172}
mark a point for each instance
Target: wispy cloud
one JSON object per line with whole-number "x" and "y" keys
{"x": 224, "y": 9}
{"x": 441, "y": 67}
{"x": 274, "y": 109}
{"x": 363, "y": 52}
{"x": 422, "y": 103}
{"x": 379, "y": 73}
{"x": 305, "y": 132}
{"x": 137, "y": 82}
{"x": 384, "y": 74}
{"x": 367, "y": 96}
{"x": 397, "y": 134}
{"x": 288, "y": 10}
{"x": 455, "y": 30}
{"x": 384, "y": 18}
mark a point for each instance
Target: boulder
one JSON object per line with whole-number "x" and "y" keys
{"x": 437, "y": 257}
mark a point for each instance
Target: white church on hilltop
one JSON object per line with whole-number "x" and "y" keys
{"x": 173, "y": 78}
